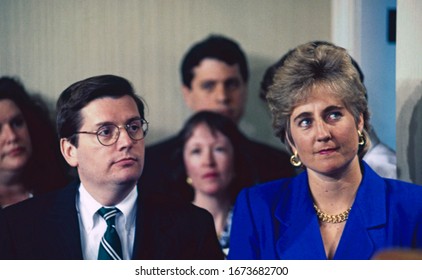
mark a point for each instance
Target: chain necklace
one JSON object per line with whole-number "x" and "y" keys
{"x": 333, "y": 219}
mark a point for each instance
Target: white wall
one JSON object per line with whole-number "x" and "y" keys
{"x": 361, "y": 27}
{"x": 378, "y": 63}
{"x": 409, "y": 90}
{"x": 50, "y": 44}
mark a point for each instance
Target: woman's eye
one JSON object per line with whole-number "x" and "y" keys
{"x": 18, "y": 122}
{"x": 305, "y": 123}
{"x": 335, "y": 115}
{"x": 195, "y": 151}
{"x": 220, "y": 149}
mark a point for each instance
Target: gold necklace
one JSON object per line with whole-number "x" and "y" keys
{"x": 333, "y": 219}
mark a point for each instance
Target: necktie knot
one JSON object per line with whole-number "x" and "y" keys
{"x": 109, "y": 214}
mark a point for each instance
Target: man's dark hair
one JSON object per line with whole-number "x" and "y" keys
{"x": 80, "y": 94}
{"x": 267, "y": 79}
{"x": 216, "y": 47}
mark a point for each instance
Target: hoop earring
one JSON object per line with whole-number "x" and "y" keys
{"x": 189, "y": 180}
{"x": 362, "y": 140}
{"x": 295, "y": 161}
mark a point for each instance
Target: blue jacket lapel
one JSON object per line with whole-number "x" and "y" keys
{"x": 299, "y": 234}
{"x": 365, "y": 228}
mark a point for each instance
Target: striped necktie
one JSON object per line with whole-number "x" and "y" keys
{"x": 110, "y": 246}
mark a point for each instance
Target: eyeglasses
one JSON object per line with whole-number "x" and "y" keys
{"x": 108, "y": 134}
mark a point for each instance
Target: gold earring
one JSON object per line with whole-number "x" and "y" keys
{"x": 361, "y": 138}
{"x": 189, "y": 180}
{"x": 295, "y": 161}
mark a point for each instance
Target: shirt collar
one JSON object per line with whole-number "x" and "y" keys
{"x": 87, "y": 208}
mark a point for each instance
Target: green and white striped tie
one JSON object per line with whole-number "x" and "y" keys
{"x": 110, "y": 246}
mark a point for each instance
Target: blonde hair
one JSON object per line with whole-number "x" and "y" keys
{"x": 314, "y": 64}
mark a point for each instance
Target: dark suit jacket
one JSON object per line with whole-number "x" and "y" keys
{"x": 47, "y": 228}
{"x": 260, "y": 163}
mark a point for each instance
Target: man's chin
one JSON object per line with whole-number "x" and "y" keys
{"x": 128, "y": 179}
{"x": 229, "y": 115}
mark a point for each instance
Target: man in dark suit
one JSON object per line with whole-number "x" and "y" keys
{"x": 104, "y": 215}
{"x": 214, "y": 76}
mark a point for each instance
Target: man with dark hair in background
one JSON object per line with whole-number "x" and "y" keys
{"x": 214, "y": 75}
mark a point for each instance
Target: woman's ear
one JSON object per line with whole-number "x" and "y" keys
{"x": 290, "y": 143}
{"x": 361, "y": 123}
{"x": 69, "y": 152}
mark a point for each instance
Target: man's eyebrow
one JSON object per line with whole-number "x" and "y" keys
{"x": 208, "y": 81}
{"x": 135, "y": 118}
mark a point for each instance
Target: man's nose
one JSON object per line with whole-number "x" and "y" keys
{"x": 222, "y": 94}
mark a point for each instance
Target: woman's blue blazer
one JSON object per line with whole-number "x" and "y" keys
{"x": 276, "y": 220}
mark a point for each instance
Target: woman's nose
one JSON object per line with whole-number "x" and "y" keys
{"x": 323, "y": 131}
{"x": 208, "y": 158}
{"x": 8, "y": 133}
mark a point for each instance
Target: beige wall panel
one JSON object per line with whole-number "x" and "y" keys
{"x": 409, "y": 90}
{"x": 50, "y": 44}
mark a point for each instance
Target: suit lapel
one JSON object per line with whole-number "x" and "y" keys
{"x": 65, "y": 223}
{"x": 299, "y": 235}
{"x": 355, "y": 242}
{"x": 365, "y": 229}
{"x": 298, "y": 228}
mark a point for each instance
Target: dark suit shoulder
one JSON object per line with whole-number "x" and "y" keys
{"x": 266, "y": 151}
{"x": 173, "y": 205}
{"x": 164, "y": 145}
{"x": 159, "y": 165}
{"x": 32, "y": 206}
{"x": 176, "y": 229}
{"x": 269, "y": 163}
{"x": 43, "y": 227}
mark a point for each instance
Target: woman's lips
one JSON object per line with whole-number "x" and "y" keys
{"x": 327, "y": 151}
{"x": 210, "y": 175}
{"x": 16, "y": 151}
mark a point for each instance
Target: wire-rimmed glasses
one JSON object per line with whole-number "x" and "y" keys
{"x": 109, "y": 133}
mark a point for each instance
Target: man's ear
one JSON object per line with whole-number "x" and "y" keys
{"x": 187, "y": 96}
{"x": 69, "y": 152}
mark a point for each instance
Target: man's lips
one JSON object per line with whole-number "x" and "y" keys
{"x": 226, "y": 112}
{"x": 126, "y": 160}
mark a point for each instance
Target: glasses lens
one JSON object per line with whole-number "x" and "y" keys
{"x": 108, "y": 134}
{"x": 137, "y": 129}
